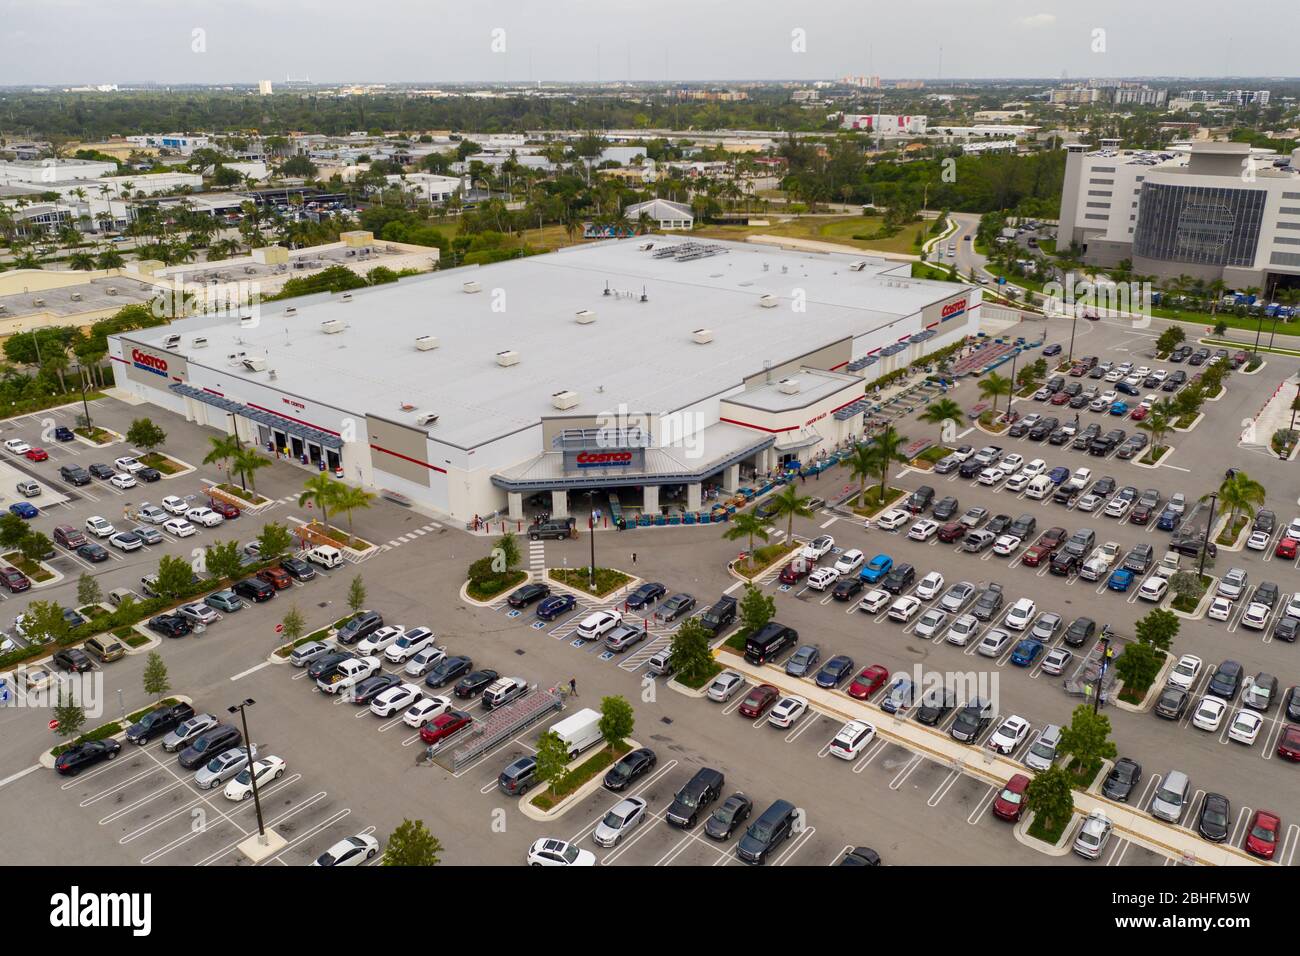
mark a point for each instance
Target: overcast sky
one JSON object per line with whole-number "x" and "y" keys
{"x": 61, "y": 42}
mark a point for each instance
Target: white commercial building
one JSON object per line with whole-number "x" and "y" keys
{"x": 882, "y": 124}
{"x": 428, "y": 186}
{"x": 182, "y": 143}
{"x": 663, "y": 213}
{"x": 49, "y": 173}
{"x": 650, "y": 368}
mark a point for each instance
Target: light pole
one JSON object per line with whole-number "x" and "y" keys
{"x": 1205, "y": 543}
{"x": 1073, "y": 325}
{"x": 252, "y": 770}
{"x": 591, "y": 533}
{"x": 85, "y": 405}
{"x": 1015, "y": 357}
{"x": 1104, "y": 646}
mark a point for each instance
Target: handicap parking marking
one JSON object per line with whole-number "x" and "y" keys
{"x": 607, "y": 655}
{"x": 514, "y": 612}
{"x": 537, "y": 625}
{"x": 577, "y": 642}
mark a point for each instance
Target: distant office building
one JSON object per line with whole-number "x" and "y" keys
{"x": 1226, "y": 97}
{"x": 664, "y": 214}
{"x": 264, "y": 87}
{"x": 883, "y": 124}
{"x": 182, "y": 143}
{"x": 50, "y": 172}
{"x": 1076, "y": 96}
{"x": 1139, "y": 96}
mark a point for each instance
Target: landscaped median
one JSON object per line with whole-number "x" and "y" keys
{"x": 751, "y": 565}
{"x": 281, "y": 654}
{"x": 874, "y": 501}
{"x": 608, "y": 580}
{"x": 926, "y": 460}
{"x": 95, "y": 436}
{"x": 38, "y": 572}
{"x": 168, "y": 466}
{"x": 114, "y": 728}
{"x": 584, "y": 777}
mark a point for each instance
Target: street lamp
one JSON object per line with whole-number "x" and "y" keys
{"x": 252, "y": 770}
{"x": 1073, "y": 325}
{"x": 591, "y": 533}
{"x": 1205, "y": 543}
{"x": 81, "y": 378}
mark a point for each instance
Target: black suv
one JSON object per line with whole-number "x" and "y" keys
{"x": 920, "y": 499}
{"x": 972, "y": 721}
{"x": 1043, "y": 428}
{"x": 988, "y": 603}
{"x": 700, "y": 791}
{"x": 324, "y": 667}
{"x": 767, "y": 832}
{"x": 158, "y": 722}
{"x": 899, "y": 578}
{"x": 74, "y": 474}
{"x": 946, "y": 508}
{"x": 363, "y": 625}
{"x": 210, "y": 743}
{"x": 1023, "y": 527}
{"x": 551, "y": 529}
{"x": 102, "y": 471}
{"x": 254, "y": 590}
{"x": 171, "y": 625}
{"x": 721, "y": 613}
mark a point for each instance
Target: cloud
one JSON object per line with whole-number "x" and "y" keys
{"x": 1038, "y": 20}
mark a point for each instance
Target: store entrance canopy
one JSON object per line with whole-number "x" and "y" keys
{"x": 269, "y": 419}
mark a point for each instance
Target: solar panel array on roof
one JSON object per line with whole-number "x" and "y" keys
{"x": 893, "y": 349}
{"x": 849, "y": 411}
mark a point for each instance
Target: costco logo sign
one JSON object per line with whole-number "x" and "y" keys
{"x": 148, "y": 363}
{"x": 604, "y": 459}
{"x": 952, "y": 310}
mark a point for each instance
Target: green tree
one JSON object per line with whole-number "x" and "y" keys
{"x": 1087, "y": 738}
{"x": 689, "y": 654}
{"x": 248, "y": 463}
{"x": 616, "y": 720}
{"x": 862, "y": 466}
{"x": 1157, "y": 424}
{"x": 156, "y": 681}
{"x": 756, "y": 609}
{"x": 1138, "y": 666}
{"x": 319, "y": 490}
{"x": 357, "y": 594}
{"x": 143, "y": 433}
{"x": 274, "y": 540}
{"x": 941, "y": 412}
{"x": 1186, "y": 585}
{"x": 743, "y": 524}
{"x": 788, "y": 503}
{"x": 70, "y": 714}
{"x": 175, "y": 577}
{"x": 886, "y": 449}
{"x": 1050, "y": 797}
{"x": 293, "y": 623}
{"x": 13, "y": 530}
{"x": 506, "y": 553}
{"x": 411, "y": 844}
{"x": 350, "y": 498}
{"x": 1240, "y": 494}
{"x": 552, "y": 759}
{"x": 1158, "y": 628}
{"x": 88, "y": 590}
{"x": 1220, "y": 327}
{"x": 36, "y": 546}
{"x": 1170, "y": 339}
{"x": 43, "y": 621}
{"x": 993, "y": 386}
{"x": 221, "y": 448}
{"x": 224, "y": 560}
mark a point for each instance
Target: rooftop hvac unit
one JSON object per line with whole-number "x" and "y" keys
{"x": 426, "y": 342}
{"x": 38, "y": 301}
{"x": 585, "y": 317}
{"x": 235, "y": 359}
{"x": 565, "y": 399}
{"x": 427, "y": 419}
{"x": 507, "y": 358}
{"x": 471, "y": 287}
{"x": 76, "y": 297}
{"x": 768, "y": 301}
{"x": 111, "y": 290}
{"x": 199, "y": 342}
{"x": 858, "y": 266}
{"x": 333, "y": 326}
{"x": 271, "y": 375}
{"x": 702, "y": 336}
{"x": 292, "y": 310}
{"x": 788, "y": 386}
{"x": 171, "y": 341}
{"x": 255, "y": 364}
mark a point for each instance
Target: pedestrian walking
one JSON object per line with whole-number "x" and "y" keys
{"x": 634, "y": 557}
{"x": 573, "y": 686}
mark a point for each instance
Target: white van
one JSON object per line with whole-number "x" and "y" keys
{"x": 1039, "y": 488}
{"x": 579, "y": 731}
{"x": 660, "y": 664}
{"x": 325, "y": 555}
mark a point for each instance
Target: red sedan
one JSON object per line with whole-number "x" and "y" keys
{"x": 1035, "y": 555}
{"x": 38, "y": 454}
{"x": 1286, "y": 548}
{"x": 14, "y": 579}
{"x": 444, "y": 726}
{"x": 1288, "y": 744}
{"x": 1060, "y": 398}
{"x": 224, "y": 508}
{"x": 1138, "y": 414}
{"x": 1261, "y": 838}
{"x": 759, "y": 700}
{"x": 795, "y": 571}
{"x": 1010, "y": 803}
{"x": 868, "y": 682}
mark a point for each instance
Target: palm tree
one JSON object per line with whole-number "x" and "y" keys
{"x": 348, "y": 498}
{"x": 1240, "y": 494}
{"x": 321, "y": 491}
{"x": 746, "y": 524}
{"x": 885, "y": 450}
{"x": 944, "y": 410}
{"x": 994, "y": 386}
{"x": 862, "y": 465}
{"x": 248, "y": 462}
{"x": 221, "y": 449}
{"x": 1160, "y": 418}
{"x": 788, "y": 503}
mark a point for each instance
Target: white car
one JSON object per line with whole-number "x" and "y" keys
{"x": 1220, "y": 609}
{"x": 128, "y": 464}
{"x": 923, "y": 530}
{"x": 1209, "y": 713}
{"x": 1114, "y": 375}
{"x": 1245, "y": 727}
{"x": 551, "y": 852}
{"x": 179, "y": 527}
{"x": 1256, "y": 616}
{"x": 929, "y": 586}
{"x": 1293, "y": 529}
{"x": 266, "y": 770}
{"x": 353, "y": 851}
{"x": 786, "y": 711}
{"x": 174, "y": 505}
{"x": 931, "y": 622}
{"x": 1292, "y": 608}
{"x": 394, "y": 699}
{"x": 852, "y": 738}
{"x": 823, "y": 578}
{"x": 123, "y": 480}
{"x": 1006, "y": 544}
{"x": 893, "y": 519}
{"x": 423, "y": 711}
{"x": 1012, "y": 463}
{"x": 991, "y": 476}
{"x": 818, "y": 548}
{"x": 204, "y": 516}
{"x": 597, "y": 625}
{"x": 619, "y": 821}
{"x": 904, "y": 609}
{"x": 1160, "y": 374}
{"x": 964, "y": 630}
{"x": 1035, "y": 468}
{"x": 126, "y": 541}
{"x": 1021, "y": 614}
{"x": 380, "y": 639}
{"x": 1010, "y": 735}
{"x": 424, "y": 661}
{"x": 408, "y": 645}
{"x": 849, "y": 561}
{"x": 874, "y": 600}
{"x": 1258, "y": 540}
{"x": 151, "y": 514}
{"x": 1153, "y": 588}
{"x": 1018, "y": 481}
{"x": 100, "y": 527}
{"x": 1185, "y": 672}
{"x": 17, "y": 446}
{"x": 724, "y": 687}
{"x": 1142, "y": 371}
{"x": 1089, "y": 502}
{"x": 1232, "y": 584}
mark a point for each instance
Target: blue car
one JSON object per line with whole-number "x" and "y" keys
{"x": 63, "y": 433}
{"x": 555, "y": 605}
{"x": 835, "y": 671}
{"x": 1120, "y": 580}
{"x": 1168, "y": 520}
{"x": 23, "y": 509}
{"x": 1026, "y": 652}
{"x": 1119, "y": 408}
{"x": 876, "y": 568}
{"x": 1058, "y": 474}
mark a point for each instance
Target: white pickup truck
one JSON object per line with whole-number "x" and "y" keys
{"x": 349, "y": 674}
{"x": 1098, "y": 564}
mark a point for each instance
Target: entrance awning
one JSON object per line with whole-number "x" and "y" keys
{"x": 269, "y": 419}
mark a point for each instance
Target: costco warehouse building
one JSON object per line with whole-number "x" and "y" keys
{"x": 633, "y": 366}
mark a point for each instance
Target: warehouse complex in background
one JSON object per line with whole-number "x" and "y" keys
{"x": 650, "y": 367}
{"x": 1210, "y": 210}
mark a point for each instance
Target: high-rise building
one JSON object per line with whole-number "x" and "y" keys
{"x": 264, "y": 87}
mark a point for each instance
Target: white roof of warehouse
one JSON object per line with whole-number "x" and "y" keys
{"x": 642, "y": 353}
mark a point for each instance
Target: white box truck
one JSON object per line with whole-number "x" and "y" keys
{"x": 579, "y": 731}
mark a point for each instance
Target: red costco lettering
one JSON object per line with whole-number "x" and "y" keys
{"x": 604, "y": 458}
{"x": 952, "y": 308}
{"x": 148, "y": 361}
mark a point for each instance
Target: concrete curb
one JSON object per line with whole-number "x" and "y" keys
{"x": 57, "y": 577}
{"x": 1169, "y": 450}
{"x": 186, "y": 468}
{"x": 1153, "y": 692}
{"x": 86, "y": 441}
{"x": 632, "y": 584}
{"x": 685, "y": 691}
{"x": 1255, "y": 371}
{"x": 1195, "y": 421}
{"x": 1060, "y": 848}
{"x": 1206, "y": 598}
{"x": 474, "y": 602}
{"x": 565, "y": 805}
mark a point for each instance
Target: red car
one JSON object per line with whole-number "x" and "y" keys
{"x": 1060, "y": 398}
{"x": 952, "y": 531}
{"x": 278, "y": 578}
{"x": 14, "y": 579}
{"x": 795, "y": 571}
{"x": 1034, "y": 556}
{"x": 1138, "y": 414}
{"x": 759, "y": 700}
{"x": 444, "y": 726}
{"x": 868, "y": 682}
{"x": 1261, "y": 838}
{"x": 224, "y": 508}
{"x": 1286, "y": 548}
{"x": 1288, "y": 744}
{"x": 1010, "y": 803}
{"x": 38, "y": 454}
{"x": 1078, "y": 371}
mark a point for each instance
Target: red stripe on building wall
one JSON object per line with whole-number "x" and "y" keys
{"x": 836, "y": 368}
{"x": 290, "y": 418}
{"x": 213, "y": 391}
{"x": 845, "y": 405}
{"x": 760, "y": 428}
{"x": 118, "y": 358}
{"x": 932, "y": 325}
{"x": 414, "y": 461}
